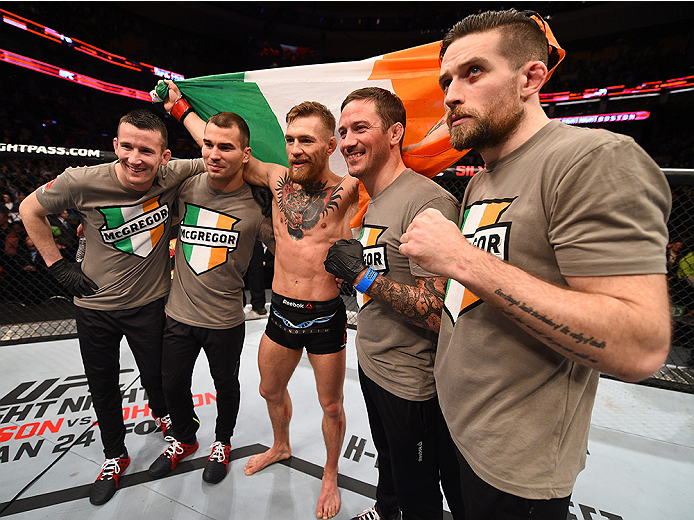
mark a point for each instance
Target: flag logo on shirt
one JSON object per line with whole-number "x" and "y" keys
{"x": 481, "y": 227}
{"x": 137, "y": 229}
{"x": 374, "y": 255}
{"x": 207, "y": 237}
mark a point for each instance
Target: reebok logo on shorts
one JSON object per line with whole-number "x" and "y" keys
{"x": 374, "y": 255}
{"x": 137, "y": 229}
{"x": 207, "y": 237}
{"x": 481, "y": 227}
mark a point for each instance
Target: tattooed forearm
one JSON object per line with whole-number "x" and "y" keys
{"x": 421, "y": 305}
{"x": 578, "y": 337}
{"x": 547, "y": 339}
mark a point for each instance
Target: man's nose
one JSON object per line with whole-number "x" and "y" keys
{"x": 454, "y": 95}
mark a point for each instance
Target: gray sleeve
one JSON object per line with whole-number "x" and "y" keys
{"x": 608, "y": 214}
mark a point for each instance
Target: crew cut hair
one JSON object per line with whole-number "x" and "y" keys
{"x": 231, "y": 120}
{"x": 147, "y": 120}
{"x": 389, "y": 107}
{"x": 522, "y": 39}
{"x": 313, "y": 108}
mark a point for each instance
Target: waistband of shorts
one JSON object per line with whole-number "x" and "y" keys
{"x": 283, "y": 302}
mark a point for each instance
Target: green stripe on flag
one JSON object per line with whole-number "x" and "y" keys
{"x": 113, "y": 216}
{"x": 125, "y": 245}
{"x": 190, "y": 219}
{"x": 192, "y": 213}
{"x": 209, "y": 95}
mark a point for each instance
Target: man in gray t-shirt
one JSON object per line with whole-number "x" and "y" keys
{"x": 119, "y": 287}
{"x": 220, "y": 223}
{"x": 557, "y": 272}
{"x": 399, "y": 316}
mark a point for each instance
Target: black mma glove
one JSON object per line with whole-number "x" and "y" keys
{"x": 263, "y": 196}
{"x": 345, "y": 259}
{"x": 71, "y": 277}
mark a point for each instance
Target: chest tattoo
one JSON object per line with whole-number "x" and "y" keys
{"x": 303, "y": 207}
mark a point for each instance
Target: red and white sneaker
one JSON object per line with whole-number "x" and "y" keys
{"x": 167, "y": 461}
{"x": 165, "y": 424}
{"x": 217, "y": 464}
{"x": 106, "y": 484}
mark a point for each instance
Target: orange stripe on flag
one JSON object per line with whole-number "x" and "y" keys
{"x": 468, "y": 299}
{"x": 217, "y": 256}
{"x": 151, "y": 204}
{"x": 156, "y": 234}
{"x": 491, "y": 213}
{"x": 224, "y": 222}
{"x": 415, "y": 77}
{"x": 414, "y": 74}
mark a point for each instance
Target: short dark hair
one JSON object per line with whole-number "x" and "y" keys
{"x": 522, "y": 41}
{"x": 147, "y": 120}
{"x": 231, "y": 120}
{"x": 313, "y": 108}
{"x": 389, "y": 107}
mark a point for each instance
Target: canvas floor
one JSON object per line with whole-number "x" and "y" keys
{"x": 640, "y": 464}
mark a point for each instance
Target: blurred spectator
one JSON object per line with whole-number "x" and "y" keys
{"x": 10, "y": 208}
{"x": 255, "y": 283}
{"x": 65, "y": 233}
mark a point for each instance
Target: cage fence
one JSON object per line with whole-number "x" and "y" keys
{"x": 35, "y": 307}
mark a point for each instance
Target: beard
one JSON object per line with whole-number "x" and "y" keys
{"x": 309, "y": 174}
{"x": 485, "y": 131}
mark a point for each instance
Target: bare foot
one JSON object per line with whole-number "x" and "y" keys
{"x": 262, "y": 460}
{"x": 329, "y": 500}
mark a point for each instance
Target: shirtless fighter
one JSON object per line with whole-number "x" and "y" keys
{"x": 312, "y": 208}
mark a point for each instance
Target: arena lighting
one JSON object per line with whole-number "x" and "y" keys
{"x": 620, "y": 90}
{"x": 604, "y": 118}
{"x": 81, "y": 79}
{"x": 50, "y": 34}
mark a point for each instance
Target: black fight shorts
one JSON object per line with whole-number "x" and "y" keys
{"x": 321, "y": 327}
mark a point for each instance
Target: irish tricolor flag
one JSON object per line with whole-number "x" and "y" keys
{"x": 264, "y": 97}
{"x": 137, "y": 229}
{"x": 207, "y": 237}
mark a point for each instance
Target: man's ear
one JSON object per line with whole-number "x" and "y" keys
{"x": 332, "y": 145}
{"x": 246, "y": 154}
{"x": 534, "y": 75}
{"x": 166, "y": 157}
{"x": 397, "y": 133}
{"x": 115, "y": 144}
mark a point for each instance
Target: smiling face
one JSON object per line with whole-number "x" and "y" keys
{"x": 224, "y": 156}
{"x": 364, "y": 142}
{"x": 481, "y": 92}
{"x": 140, "y": 153}
{"x": 309, "y": 146}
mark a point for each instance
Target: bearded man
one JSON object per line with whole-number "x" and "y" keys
{"x": 311, "y": 210}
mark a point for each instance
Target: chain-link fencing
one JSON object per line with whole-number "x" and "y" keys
{"x": 35, "y": 307}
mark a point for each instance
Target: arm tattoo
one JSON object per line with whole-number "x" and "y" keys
{"x": 420, "y": 304}
{"x": 535, "y": 318}
{"x": 304, "y": 206}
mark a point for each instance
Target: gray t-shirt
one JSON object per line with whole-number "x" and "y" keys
{"x": 126, "y": 231}
{"x": 568, "y": 202}
{"x": 213, "y": 249}
{"x": 397, "y": 355}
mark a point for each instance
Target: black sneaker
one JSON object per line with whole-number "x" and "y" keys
{"x": 217, "y": 464}
{"x": 106, "y": 484}
{"x": 165, "y": 424}
{"x": 373, "y": 514}
{"x": 167, "y": 461}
